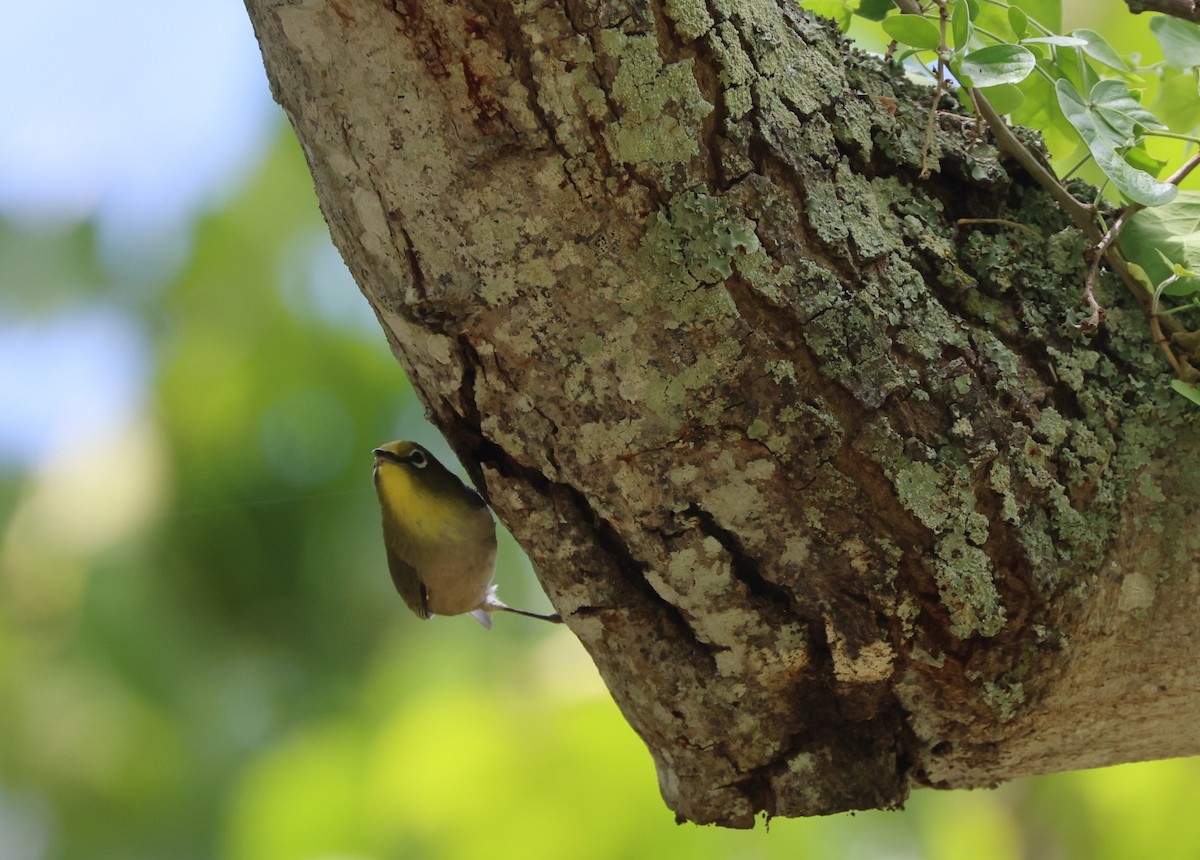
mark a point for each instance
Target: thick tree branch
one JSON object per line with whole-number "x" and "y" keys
{"x": 798, "y": 441}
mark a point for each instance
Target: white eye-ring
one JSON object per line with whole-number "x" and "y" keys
{"x": 418, "y": 459}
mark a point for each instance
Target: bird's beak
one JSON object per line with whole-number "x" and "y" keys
{"x": 384, "y": 454}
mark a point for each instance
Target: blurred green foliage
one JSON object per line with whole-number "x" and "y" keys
{"x": 201, "y": 655}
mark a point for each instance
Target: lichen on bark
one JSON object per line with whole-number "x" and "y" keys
{"x": 823, "y": 479}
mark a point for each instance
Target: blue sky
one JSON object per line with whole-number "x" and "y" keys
{"x": 138, "y": 114}
{"x": 137, "y": 111}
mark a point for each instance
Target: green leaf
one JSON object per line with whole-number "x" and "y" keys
{"x": 1056, "y": 41}
{"x": 913, "y": 30}
{"x": 1075, "y": 66}
{"x": 996, "y": 64}
{"x": 1187, "y": 389}
{"x": 1177, "y": 101}
{"x": 1162, "y": 238}
{"x": 1041, "y": 111}
{"x": 960, "y": 25}
{"x": 1140, "y": 275}
{"x": 1176, "y": 269}
{"x": 875, "y": 10}
{"x": 1099, "y": 50}
{"x": 1096, "y": 127}
{"x": 1142, "y": 160}
{"x": 1180, "y": 40}
{"x": 1121, "y": 112}
{"x": 1048, "y": 13}
{"x": 993, "y": 18}
{"x": 1004, "y": 98}
{"x": 1019, "y": 21}
{"x": 1137, "y": 185}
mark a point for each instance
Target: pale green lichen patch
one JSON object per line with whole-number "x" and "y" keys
{"x": 942, "y": 497}
{"x": 1000, "y": 480}
{"x": 781, "y": 284}
{"x": 903, "y": 294}
{"x": 799, "y": 73}
{"x": 1051, "y": 426}
{"x": 942, "y": 503}
{"x": 856, "y": 121}
{"x": 1068, "y": 453}
{"x": 855, "y": 208}
{"x": 1148, "y": 488}
{"x": 565, "y": 82}
{"x": 964, "y": 577}
{"x": 824, "y": 210}
{"x": 700, "y": 235}
{"x": 660, "y": 107}
{"x": 920, "y": 488}
{"x": 735, "y": 500}
{"x": 736, "y": 73}
{"x": 844, "y": 332}
{"x": 866, "y": 208}
{"x": 781, "y": 370}
{"x": 780, "y": 439}
{"x": 1005, "y": 360}
{"x": 690, "y": 16}
{"x": 816, "y": 141}
{"x": 847, "y": 341}
{"x": 1068, "y": 469}
{"x": 1003, "y": 698}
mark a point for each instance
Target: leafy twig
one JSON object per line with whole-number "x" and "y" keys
{"x": 1084, "y": 218}
{"x": 943, "y": 52}
{"x": 1104, "y": 250}
{"x": 1101, "y": 238}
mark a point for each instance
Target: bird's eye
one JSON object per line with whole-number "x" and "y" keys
{"x": 418, "y": 459}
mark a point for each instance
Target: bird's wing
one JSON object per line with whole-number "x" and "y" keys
{"x": 408, "y": 583}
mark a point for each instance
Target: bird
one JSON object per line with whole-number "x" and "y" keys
{"x": 439, "y": 535}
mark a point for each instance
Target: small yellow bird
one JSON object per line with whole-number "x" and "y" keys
{"x": 439, "y": 535}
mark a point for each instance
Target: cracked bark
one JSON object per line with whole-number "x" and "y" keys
{"x": 834, "y": 497}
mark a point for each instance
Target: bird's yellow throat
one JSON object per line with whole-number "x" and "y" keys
{"x": 425, "y": 516}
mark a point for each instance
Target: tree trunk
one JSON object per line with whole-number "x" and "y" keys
{"x": 822, "y": 477}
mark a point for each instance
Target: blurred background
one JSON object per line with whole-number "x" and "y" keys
{"x": 201, "y": 654}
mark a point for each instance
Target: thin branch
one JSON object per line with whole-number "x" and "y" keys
{"x": 1099, "y": 314}
{"x": 1134, "y": 208}
{"x": 943, "y": 52}
{"x": 931, "y": 119}
{"x": 1185, "y": 9}
{"x": 1104, "y": 250}
{"x": 1164, "y": 345}
{"x": 1082, "y": 214}
{"x": 1182, "y": 173}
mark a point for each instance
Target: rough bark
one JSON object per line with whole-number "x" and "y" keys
{"x": 823, "y": 479}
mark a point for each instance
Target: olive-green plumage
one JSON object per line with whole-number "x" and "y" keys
{"x": 439, "y": 536}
